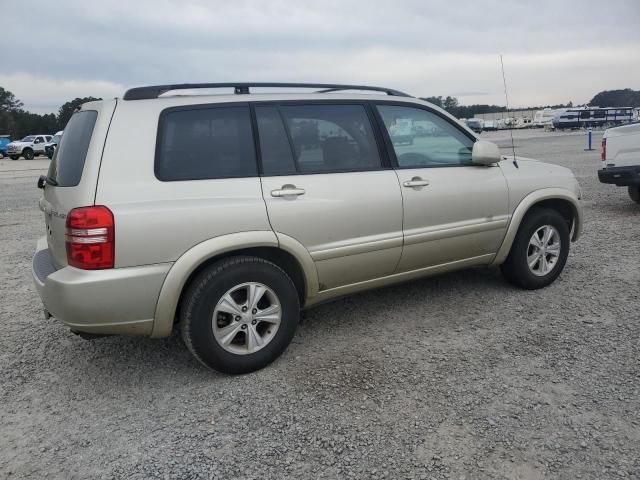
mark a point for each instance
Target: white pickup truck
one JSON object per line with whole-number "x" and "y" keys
{"x": 621, "y": 158}
{"x": 29, "y": 147}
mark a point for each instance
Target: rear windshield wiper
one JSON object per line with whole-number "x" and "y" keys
{"x": 45, "y": 180}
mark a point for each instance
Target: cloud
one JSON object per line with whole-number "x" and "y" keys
{"x": 553, "y": 51}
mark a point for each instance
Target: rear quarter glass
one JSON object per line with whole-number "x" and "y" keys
{"x": 67, "y": 166}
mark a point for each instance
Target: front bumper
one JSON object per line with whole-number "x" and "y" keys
{"x": 117, "y": 301}
{"x": 621, "y": 176}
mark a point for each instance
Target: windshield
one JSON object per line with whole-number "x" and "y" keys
{"x": 56, "y": 139}
{"x": 29, "y": 138}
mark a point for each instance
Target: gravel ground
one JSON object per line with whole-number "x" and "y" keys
{"x": 459, "y": 376}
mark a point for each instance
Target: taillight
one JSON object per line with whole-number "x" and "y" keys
{"x": 90, "y": 238}
{"x": 603, "y": 155}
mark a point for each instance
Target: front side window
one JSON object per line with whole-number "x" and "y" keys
{"x": 421, "y": 138}
{"x": 205, "y": 143}
{"x": 330, "y": 138}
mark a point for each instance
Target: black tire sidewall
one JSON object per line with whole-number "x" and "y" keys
{"x": 206, "y": 291}
{"x": 28, "y": 154}
{"x": 634, "y": 193}
{"x": 517, "y": 264}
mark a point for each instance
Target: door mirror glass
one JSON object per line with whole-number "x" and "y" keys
{"x": 485, "y": 153}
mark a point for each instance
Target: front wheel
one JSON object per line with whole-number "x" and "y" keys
{"x": 27, "y": 154}
{"x": 539, "y": 251}
{"x": 239, "y": 314}
{"x": 634, "y": 193}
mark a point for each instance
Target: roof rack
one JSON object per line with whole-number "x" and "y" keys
{"x": 154, "y": 91}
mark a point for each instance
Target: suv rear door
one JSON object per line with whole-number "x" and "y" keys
{"x": 73, "y": 172}
{"x": 326, "y": 185}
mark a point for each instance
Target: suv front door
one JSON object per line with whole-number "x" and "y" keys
{"x": 325, "y": 185}
{"x": 453, "y": 211}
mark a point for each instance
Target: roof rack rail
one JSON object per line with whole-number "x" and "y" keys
{"x": 154, "y": 91}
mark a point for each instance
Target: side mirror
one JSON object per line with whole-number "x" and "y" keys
{"x": 485, "y": 153}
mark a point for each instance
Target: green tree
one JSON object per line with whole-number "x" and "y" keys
{"x": 67, "y": 109}
{"x": 435, "y": 100}
{"x": 8, "y": 101}
{"x": 616, "y": 98}
{"x": 450, "y": 104}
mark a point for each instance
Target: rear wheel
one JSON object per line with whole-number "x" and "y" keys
{"x": 634, "y": 193}
{"x": 239, "y": 314}
{"x": 539, "y": 251}
{"x": 27, "y": 153}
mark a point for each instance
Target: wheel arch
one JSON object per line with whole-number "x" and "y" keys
{"x": 562, "y": 200}
{"x": 285, "y": 252}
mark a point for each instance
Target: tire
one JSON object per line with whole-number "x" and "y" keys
{"x": 634, "y": 193}
{"x": 27, "y": 153}
{"x": 49, "y": 156}
{"x": 516, "y": 268}
{"x": 14, "y": 157}
{"x": 204, "y": 297}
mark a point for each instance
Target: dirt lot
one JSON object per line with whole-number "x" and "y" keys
{"x": 460, "y": 376}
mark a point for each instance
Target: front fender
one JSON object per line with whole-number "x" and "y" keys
{"x": 529, "y": 201}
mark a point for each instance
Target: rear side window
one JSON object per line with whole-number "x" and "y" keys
{"x": 205, "y": 143}
{"x": 68, "y": 162}
{"x": 320, "y": 138}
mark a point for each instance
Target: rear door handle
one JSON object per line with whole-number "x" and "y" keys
{"x": 288, "y": 191}
{"x": 416, "y": 182}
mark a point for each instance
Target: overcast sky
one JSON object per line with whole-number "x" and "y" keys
{"x": 554, "y": 51}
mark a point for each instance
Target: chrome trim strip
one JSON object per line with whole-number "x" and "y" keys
{"x": 372, "y": 243}
{"x": 421, "y": 235}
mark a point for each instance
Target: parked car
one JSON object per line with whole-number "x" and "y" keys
{"x": 4, "y": 141}
{"x": 29, "y": 147}
{"x": 215, "y": 218}
{"x": 50, "y": 147}
{"x": 621, "y": 158}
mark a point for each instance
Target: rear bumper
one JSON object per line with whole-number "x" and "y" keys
{"x": 621, "y": 176}
{"x": 118, "y": 301}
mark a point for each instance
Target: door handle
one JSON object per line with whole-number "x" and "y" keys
{"x": 288, "y": 191}
{"x": 415, "y": 182}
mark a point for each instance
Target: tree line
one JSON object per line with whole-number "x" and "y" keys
{"x": 451, "y": 105}
{"x": 607, "y": 98}
{"x": 17, "y": 122}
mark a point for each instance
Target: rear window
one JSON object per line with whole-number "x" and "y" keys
{"x": 205, "y": 143}
{"x": 68, "y": 162}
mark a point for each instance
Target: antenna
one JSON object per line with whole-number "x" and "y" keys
{"x": 506, "y": 96}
